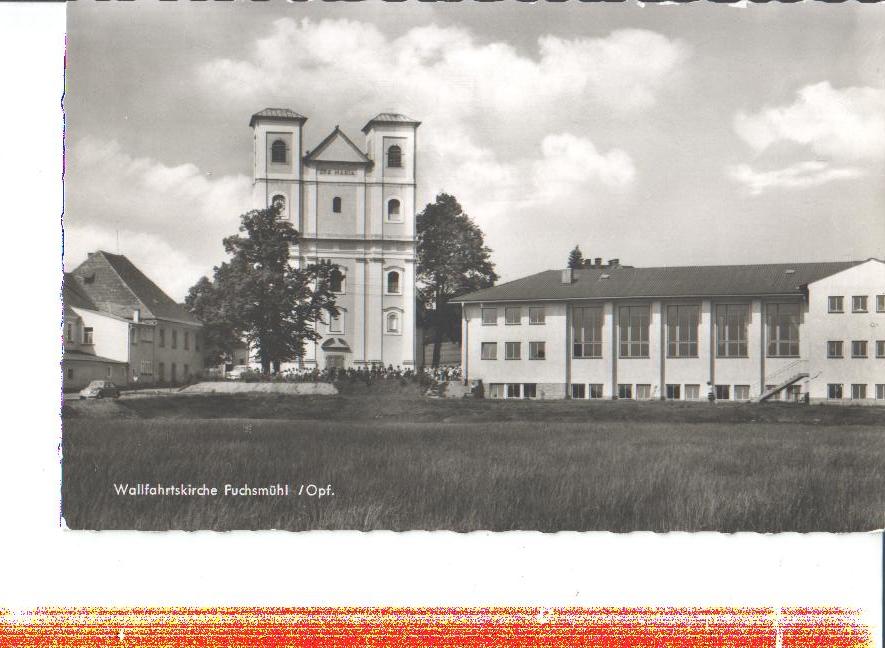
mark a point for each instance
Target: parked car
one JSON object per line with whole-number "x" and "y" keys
{"x": 100, "y": 389}
{"x": 237, "y": 372}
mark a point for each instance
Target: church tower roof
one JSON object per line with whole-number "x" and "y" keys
{"x": 390, "y": 118}
{"x": 279, "y": 114}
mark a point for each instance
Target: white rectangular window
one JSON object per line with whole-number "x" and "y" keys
{"x": 512, "y": 315}
{"x": 859, "y": 349}
{"x": 782, "y": 330}
{"x": 537, "y": 350}
{"x": 336, "y": 323}
{"x": 513, "y": 390}
{"x": 633, "y": 326}
{"x": 489, "y": 351}
{"x": 834, "y": 391}
{"x": 859, "y": 304}
{"x": 643, "y": 392}
{"x": 858, "y": 392}
{"x": 579, "y": 390}
{"x": 587, "y": 332}
{"x": 537, "y": 315}
{"x": 512, "y": 350}
{"x": 880, "y": 303}
{"x": 731, "y": 330}
{"x": 834, "y": 349}
{"x": 835, "y": 304}
{"x": 880, "y": 348}
{"x": 625, "y": 391}
{"x": 489, "y": 316}
{"x": 682, "y": 331}
{"x": 147, "y": 368}
{"x": 87, "y": 335}
{"x": 742, "y": 392}
{"x": 529, "y": 390}
{"x": 496, "y": 390}
{"x": 880, "y": 391}
{"x": 723, "y": 392}
{"x": 692, "y": 392}
{"x": 596, "y": 390}
{"x": 673, "y": 392}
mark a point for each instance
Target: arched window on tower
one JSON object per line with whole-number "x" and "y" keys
{"x": 336, "y": 205}
{"x": 393, "y": 322}
{"x": 336, "y": 281}
{"x": 393, "y": 282}
{"x": 279, "y": 202}
{"x": 393, "y": 210}
{"x": 278, "y": 152}
{"x": 394, "y": 156}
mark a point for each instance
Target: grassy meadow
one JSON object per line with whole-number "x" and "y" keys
{"x": 400, "y": 462}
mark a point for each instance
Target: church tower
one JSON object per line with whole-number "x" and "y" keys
{"x": 353, "y": 206}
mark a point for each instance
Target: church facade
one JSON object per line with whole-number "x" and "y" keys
{"x": 353, "y": 206}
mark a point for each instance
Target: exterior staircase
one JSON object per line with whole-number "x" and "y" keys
{"x": 768, "y": 393}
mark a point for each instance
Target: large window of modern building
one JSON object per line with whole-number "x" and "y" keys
{"x": 625, "y": 391}
{"x": 741, "y": 392}
{"x": 587, "y": 332}
{"x": 513, "y": 390}
{"x": 537, "y": 350}
{"x": 782, "y": 330}
{"x": 489, "y": 316}
{"x": 496, "y": 390}
{"x": 835, "y": 304}
{"x": 858, "y": 392}
{"x": 643, "y": 392}
{"x": 834, "y": 391}
{"x": 489, "y": 351}
{"x": 673, "y": 392}
{"x": 731, "y": 330}
{"x": 512, "y": 350}
{"x": 880, "y": 348}
{"x": 595, "y": 390}
{"x": 723, "y": 392}
{"x": 512, "y": 315}
{"x": 834, "y": 349}
{"x": 633, "y": 326}
{"x": 859, "y": 349}
{"x": 692, "y": 392}
{"x": 529, "y": 390}
{"x": 682, "y": 331}
{"x": 579, "y": 390}
{"x": 880, "y": 303}
{"x": 859, "y": 304}
{"x": 880, "y": 391}
{"x": 537, "y": 315}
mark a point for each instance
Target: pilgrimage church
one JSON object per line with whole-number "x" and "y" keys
{"x": 353, "y": 206}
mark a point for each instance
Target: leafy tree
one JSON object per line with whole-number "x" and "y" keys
{"x": 260, "y": 297}
{"x": 220, "y": 338}
{"x": 576, "y": 258}
{"x": 452, "y": 259}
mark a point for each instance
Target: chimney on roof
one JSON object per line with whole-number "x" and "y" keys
{"x": 597, "y": 262}
{"x": 136, "y": 315}
{"x": 614, "y": 263}
{"x": 567, "y": 276}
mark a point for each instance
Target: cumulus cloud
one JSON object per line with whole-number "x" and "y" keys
{"x": 170, "y": 219}
{"x": 569, "y": 162}
{"x": 846, "y": 124}
{"x": 796, "y": 176}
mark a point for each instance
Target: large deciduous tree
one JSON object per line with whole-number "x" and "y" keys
{"x": 452, "y": 259}
{"x": 259, "y": 297}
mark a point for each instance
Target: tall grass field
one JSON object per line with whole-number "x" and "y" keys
{"x": 375, "y": 462}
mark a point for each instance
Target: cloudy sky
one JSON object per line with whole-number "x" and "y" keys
{"x": 662, "y": 135}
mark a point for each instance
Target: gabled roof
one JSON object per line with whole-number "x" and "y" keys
{"x": 73, "y": 294}
{"x": 682, "y": 281}
{"x": 115, "y": 285}
{"x": 390, "y": 118}
{"x": 277, "y": 114}
{"x": 337, "y": 147}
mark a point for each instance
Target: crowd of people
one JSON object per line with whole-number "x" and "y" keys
{"x": 371, "y": 373}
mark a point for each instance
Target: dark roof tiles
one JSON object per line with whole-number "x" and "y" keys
{"x": 685, "y": 281}
{"x": 279, "y": 114}
{"x": 390, "y": 118}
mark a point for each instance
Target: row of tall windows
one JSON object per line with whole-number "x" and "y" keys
{"x": 859, "y": 349}
{"x": 836, "y": 391}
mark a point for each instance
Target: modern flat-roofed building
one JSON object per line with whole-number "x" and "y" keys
{"x": 742, "y": 332}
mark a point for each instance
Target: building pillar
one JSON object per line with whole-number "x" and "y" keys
{"x": 612, "y": 325}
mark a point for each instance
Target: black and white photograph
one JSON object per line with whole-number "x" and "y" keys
{"x": 473, "y": 267}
